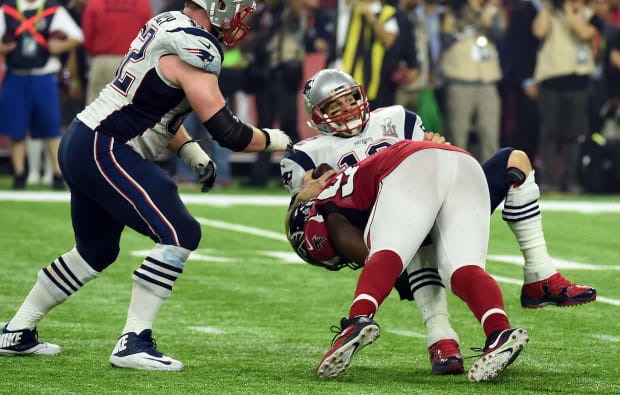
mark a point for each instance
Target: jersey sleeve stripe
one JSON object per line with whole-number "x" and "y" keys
{"x": 410, "y": 119}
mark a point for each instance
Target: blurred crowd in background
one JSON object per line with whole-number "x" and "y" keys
{"x": 542, "y": 76}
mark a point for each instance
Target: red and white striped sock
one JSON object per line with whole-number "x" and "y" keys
{"x": 483, "y": 296}
{"x": 375, "y": 283}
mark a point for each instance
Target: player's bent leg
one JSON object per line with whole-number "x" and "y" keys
{"x": 430, "y": 296}
{"x": 542, "y": 284}
{"x": 56, "y": 282}
{"x": 462, "y": 239}
{"x": 153, "y": 283}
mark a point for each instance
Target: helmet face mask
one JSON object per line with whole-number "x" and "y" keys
{"x": 229, "y": 18}
{"x": 328, "y": 86}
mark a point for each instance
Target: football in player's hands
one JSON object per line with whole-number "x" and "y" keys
{"x": 320, "y": 170}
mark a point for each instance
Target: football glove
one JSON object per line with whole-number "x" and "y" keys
{"x": 277, "y": 140}
{"x": 200, "y": 163}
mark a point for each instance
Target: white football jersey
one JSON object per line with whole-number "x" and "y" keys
{"x": 386, "y": 126}
{"x": 140, "y": 107}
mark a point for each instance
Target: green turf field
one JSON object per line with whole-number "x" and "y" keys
{"x": 245, "y": 318}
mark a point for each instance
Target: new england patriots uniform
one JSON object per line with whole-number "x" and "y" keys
{"x": 386, "y": 126}
{"x": 106, "y": 155}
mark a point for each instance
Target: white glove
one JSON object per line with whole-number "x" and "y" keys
{"x": 277, "y": 140}
{"x": 200, "y": 162}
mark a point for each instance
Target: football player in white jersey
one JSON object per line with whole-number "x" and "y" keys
{"x": 107, "y": 156}
{"x": 348, "y": 133}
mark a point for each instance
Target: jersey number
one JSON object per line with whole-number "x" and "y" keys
{"x": 350, "y": 159}
{"x": 347, "y": 187}
{"x": 125, "y": 79}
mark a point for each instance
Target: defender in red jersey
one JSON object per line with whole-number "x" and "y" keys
{"x": 395, "y": 198}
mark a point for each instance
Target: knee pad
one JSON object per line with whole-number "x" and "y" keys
{"x": 66, "y": 275}
{"x": 161, "y": 268}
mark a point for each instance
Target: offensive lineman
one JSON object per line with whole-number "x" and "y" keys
{"x": 106, "y": 157}
{"x": 349, "y": 132}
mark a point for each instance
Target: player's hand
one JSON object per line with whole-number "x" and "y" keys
{"x": 200, "y": 163}
{"x": 312, "y": 186}
{"x": 435, "y": 137}
{"x": 277, "y": 140}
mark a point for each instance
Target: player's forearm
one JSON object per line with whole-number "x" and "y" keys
{"x": 180, "y": 138}
{"x": 258, "y": 142}
{"x": 347, "y": 240}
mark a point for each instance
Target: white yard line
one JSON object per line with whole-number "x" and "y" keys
{"x": 264, "y": 200}
{"x": 615, "y": 339}
{"x": 206, "y": 329}
{"x": 242, "y": 228}
{"x": 284, "y": 200}
{"x": 558, "y": 263}
{"x": 406, "y": 333}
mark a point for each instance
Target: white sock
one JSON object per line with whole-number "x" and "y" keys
{"x": 48, "y": 170}
{"x": 522, "y": 214}
{"x": 38, "y": 302}
{"x": 433, "y": 306}
{"x": 34, "y": 149}
{"x": 430, "y": 297}
{"x": 56, "y": 282}
{"x": 143, "y": 309}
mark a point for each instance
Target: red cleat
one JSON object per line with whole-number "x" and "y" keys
{"x": 555, "y": 290}
{"x": 356, "y": 333}
{"x": 446, "y": 357}
{"x": 501, "y": 350}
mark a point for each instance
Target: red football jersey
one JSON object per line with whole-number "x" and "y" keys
{"x": 353, "y": 192}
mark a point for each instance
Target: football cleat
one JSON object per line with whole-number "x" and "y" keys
{"x": 25, "y": 342}
{"x": 501, "y": 349}
{"x": 139, "y": 352}
{"x": 446, "y": 357}
{"x": 354, "y": 334}
{"x": 555, "y": 290}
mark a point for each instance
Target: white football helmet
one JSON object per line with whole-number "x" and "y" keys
{"x": 328, "y": 85}
{"x": 228, "y": 17}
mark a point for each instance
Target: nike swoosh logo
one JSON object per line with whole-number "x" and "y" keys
{"x": 162, "y": 362}
{"x": 207, "y": 45}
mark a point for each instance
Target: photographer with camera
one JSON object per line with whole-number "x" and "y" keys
{"x": 470, "y": 66}
{"x": 563, "y": 67}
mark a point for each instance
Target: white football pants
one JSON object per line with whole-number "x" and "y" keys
{"x": 438, "y": 191}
